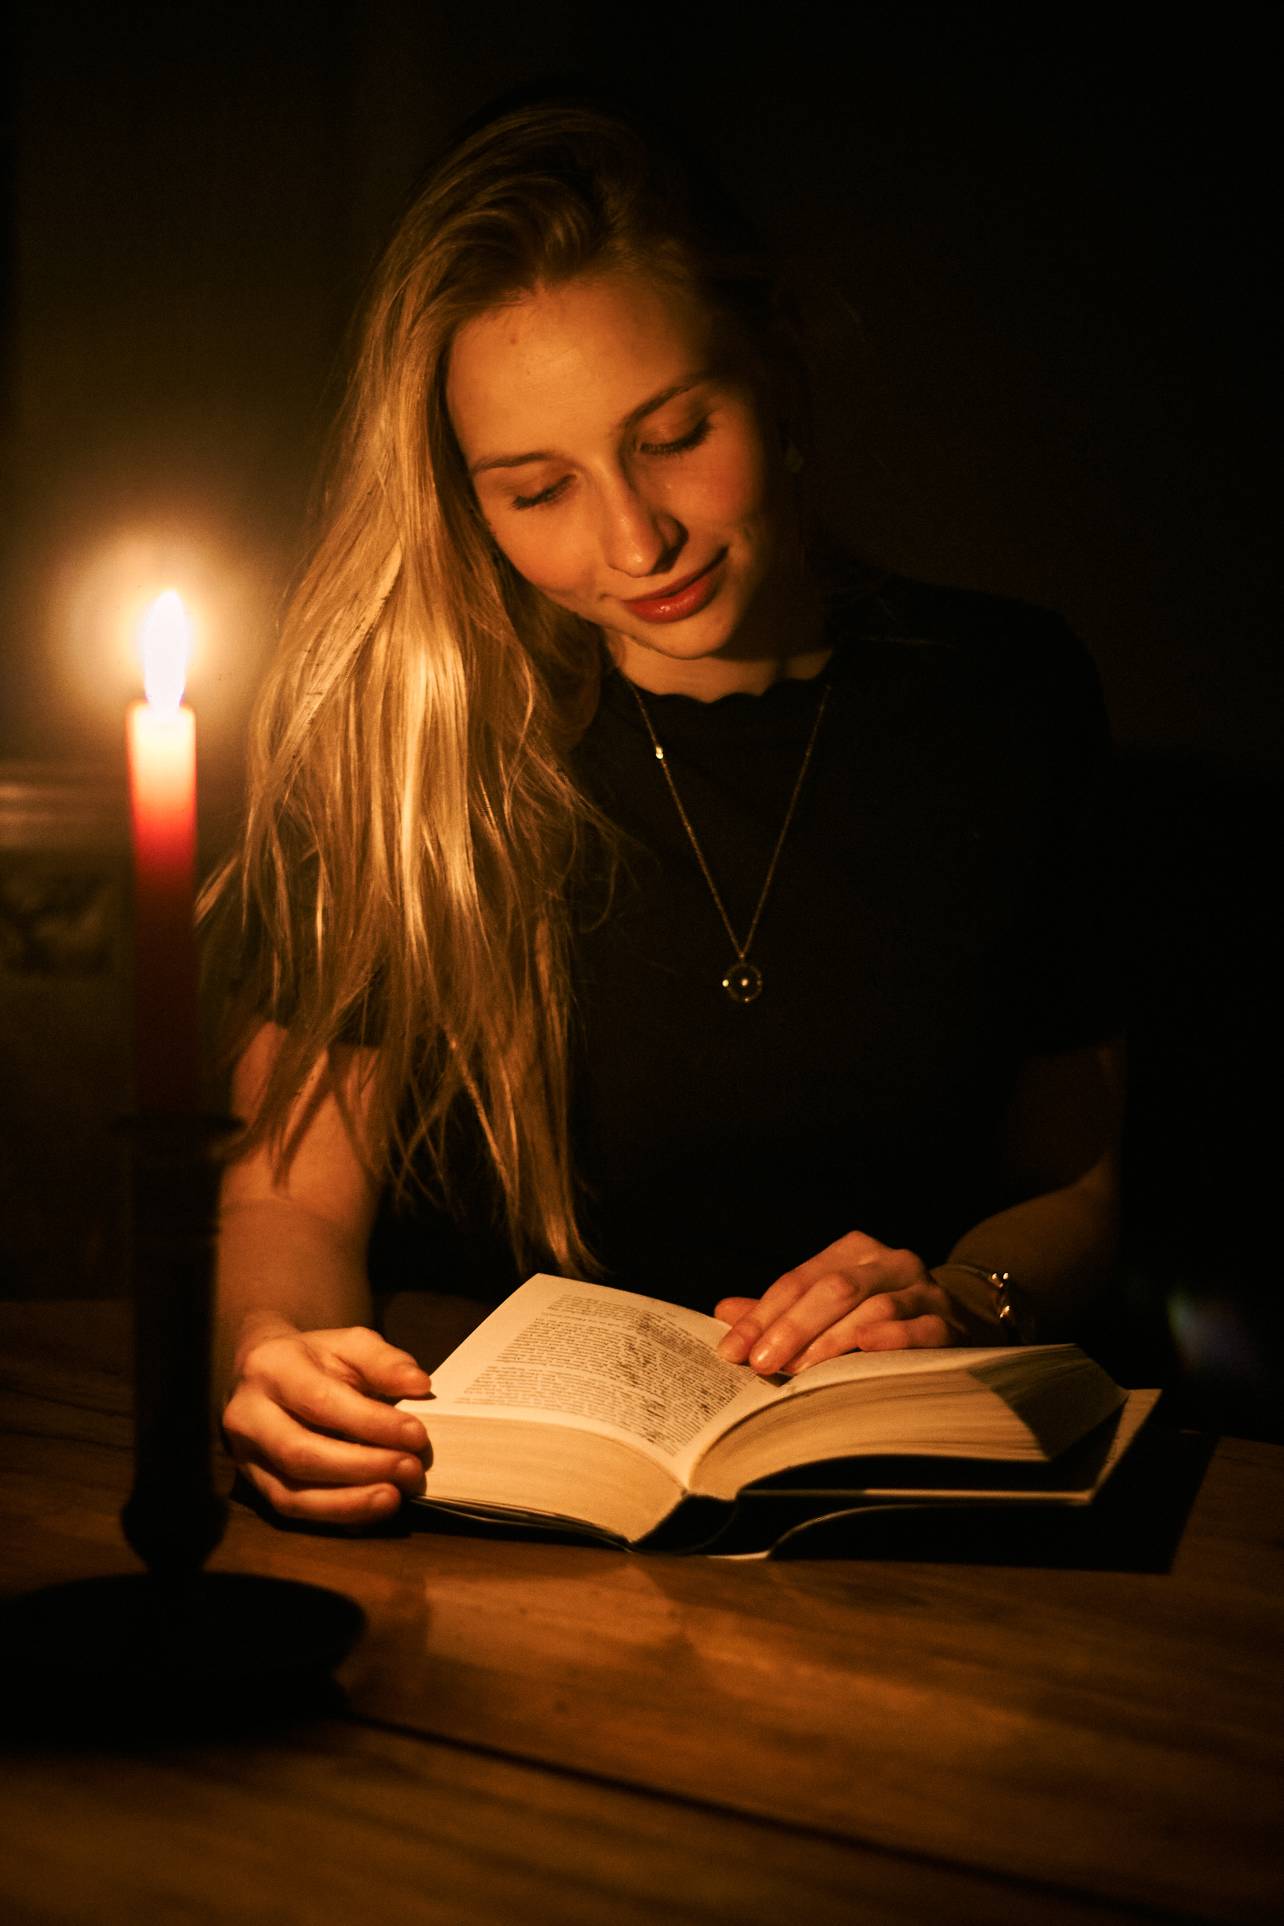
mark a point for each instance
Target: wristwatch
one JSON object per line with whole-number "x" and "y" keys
{"x": 1011, "y": 1305}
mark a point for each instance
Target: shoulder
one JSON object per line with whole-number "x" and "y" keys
{"x": 895, "y": 609}
{"x": 963, "y": 643}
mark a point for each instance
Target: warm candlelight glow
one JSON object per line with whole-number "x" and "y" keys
{"x": 165, "y": 643}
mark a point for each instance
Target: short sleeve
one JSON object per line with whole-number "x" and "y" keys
{"x": 245, "y": 962}
{"x": 1072, "y": 976}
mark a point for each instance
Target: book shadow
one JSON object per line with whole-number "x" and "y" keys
{"x": 1134, "y": 1525}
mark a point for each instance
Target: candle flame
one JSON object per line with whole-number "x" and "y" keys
{"x": 165, "y": 642}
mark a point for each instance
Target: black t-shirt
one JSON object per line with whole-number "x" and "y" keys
{"x": 941, "y": 909}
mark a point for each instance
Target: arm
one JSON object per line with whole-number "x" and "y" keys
{"x": 303, "y": 1380}
{"x": 292, "y": 1253}
{"x": 1059, "y": 1241}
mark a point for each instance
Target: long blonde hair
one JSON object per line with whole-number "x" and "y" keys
{"x": 412, "y": 822}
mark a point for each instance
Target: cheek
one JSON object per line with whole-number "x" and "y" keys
{"x": 732, "y": 486}
{"x": 548, "y": 552}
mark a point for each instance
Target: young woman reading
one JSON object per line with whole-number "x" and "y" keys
{"x": 633, "y": 885}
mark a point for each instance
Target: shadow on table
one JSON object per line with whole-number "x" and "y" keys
{"x": 74, "y": 1711}
{"x": 133, "y": 1659}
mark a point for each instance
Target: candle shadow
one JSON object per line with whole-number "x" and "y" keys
{"x": 136, "y": 1660}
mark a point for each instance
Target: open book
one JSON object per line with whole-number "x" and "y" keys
{"x": 603, "y": 1410}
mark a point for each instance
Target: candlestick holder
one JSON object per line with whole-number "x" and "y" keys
{"x": 176, "y": 1647}
{"x": 173, "y": 1517}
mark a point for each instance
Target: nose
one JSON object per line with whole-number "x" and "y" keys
{"x": 639, "y": 537}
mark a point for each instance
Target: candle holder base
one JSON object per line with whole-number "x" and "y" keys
{"x": 115, "y": 1660}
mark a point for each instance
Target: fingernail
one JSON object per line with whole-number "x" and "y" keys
{"x": 410, "y": 1468}
{"x": 767, "y": 1357}
{"x": 381, "y": 1502}
{"x": 732, "y": 1348}
{"x": 413, "y": 1434}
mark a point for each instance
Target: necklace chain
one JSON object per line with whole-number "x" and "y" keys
{"x": 743, "y": 980}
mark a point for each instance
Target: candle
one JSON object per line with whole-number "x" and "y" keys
{"x": 161, "y": 748}
{"x": 173, "y": 1517}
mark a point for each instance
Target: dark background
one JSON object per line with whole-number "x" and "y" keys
{"x": 1052, "y": 228}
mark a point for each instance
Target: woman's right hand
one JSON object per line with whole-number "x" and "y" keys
{"x": 309, "y": 1423}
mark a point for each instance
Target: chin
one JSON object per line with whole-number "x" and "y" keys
{"x": 686, "y": 641}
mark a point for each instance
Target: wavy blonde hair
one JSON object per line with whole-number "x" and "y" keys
{"x": 412, "y": 822}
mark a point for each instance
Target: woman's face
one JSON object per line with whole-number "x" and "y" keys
{"x": 617, "y": 451}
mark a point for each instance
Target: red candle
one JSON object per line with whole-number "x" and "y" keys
{"x": 161, "y": 747}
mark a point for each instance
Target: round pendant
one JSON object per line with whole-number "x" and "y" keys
{"x": 743, "y": 982}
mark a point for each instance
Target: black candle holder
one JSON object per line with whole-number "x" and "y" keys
{"x": 173, "y": 1517}
{"x": 175, "y": 1647}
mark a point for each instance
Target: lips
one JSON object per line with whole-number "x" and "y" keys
{"x": 670, "y": 594}
{"x": 684, "y": 598}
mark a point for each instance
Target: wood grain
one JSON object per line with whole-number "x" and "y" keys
{"x": 338, "y": 1821}
{"x": 1111, "y": 1735}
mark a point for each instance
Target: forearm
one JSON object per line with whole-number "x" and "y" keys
{"x": 1062, "y": 1155}
{"x": 292, "y": 1241}
{"x": 282, "y": 1265}
{"x": 1059, "y": 1247}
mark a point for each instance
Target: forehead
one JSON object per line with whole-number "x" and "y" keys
{"x": 570, "y": 358}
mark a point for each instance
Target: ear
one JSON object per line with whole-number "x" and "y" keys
{"x": 794, "y": 458}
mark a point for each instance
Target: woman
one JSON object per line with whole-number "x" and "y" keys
{"x": 632, "y": 886}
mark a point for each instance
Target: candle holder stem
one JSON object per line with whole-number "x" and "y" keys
{"x": 173, "y": 1517}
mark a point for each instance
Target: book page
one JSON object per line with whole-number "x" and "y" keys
{"x": 602, "y": 1360}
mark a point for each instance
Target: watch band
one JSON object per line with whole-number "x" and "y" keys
{"x": 1011, "y": 1306}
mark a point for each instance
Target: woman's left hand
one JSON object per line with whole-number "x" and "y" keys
{"x": 855, "y": 1295}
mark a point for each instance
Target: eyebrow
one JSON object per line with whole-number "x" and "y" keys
{"x": 631, "y": 420}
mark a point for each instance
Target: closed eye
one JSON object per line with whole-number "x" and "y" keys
{"x": 542, "y": 499}
{"x": 692, "y": 440}
{"x": 681, "y": 447}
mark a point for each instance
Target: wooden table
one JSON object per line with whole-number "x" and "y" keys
{"x": 542, "y": 1731}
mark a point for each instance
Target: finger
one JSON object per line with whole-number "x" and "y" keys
{"x": 928, "y": 1332}
{"x": 851, "y": 1333}
{"x": 838, "y": 1296}
{"x": 892, "y": 1283}
{"x": 924, "y": 1298}
{"x": 380, "y": 1366}
{"x": 862, "y": 1260}
{"x": 302, "y": 1383}
{"x": 350, "y": 1505}
{"x": 759, "y": 1314}
{"x": 260, "y": 1432}
{"x": 826, "y": 1303}
{"x": 843, "y": 1254}
{"x": 729, "y": 1309}
{"x": 756, "y": 1315}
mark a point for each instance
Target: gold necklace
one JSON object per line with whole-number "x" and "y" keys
{"x": 742, "y": 979}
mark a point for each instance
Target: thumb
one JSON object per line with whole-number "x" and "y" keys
{"x": 379, "y": 1365}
